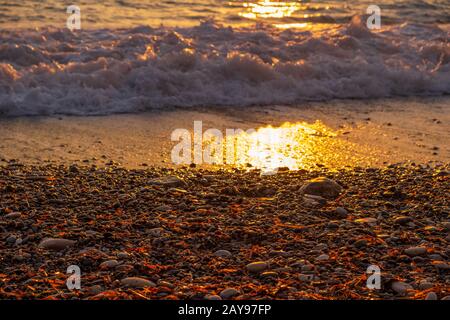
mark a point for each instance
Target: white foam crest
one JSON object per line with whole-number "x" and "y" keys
{"x": 52, "y": 71}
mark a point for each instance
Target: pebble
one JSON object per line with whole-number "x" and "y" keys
{"x": 323, "y": 257}
{"x": 401, "y": 288}
{"x": 402, "y": 220}
{"x": 360, "y": 243}
{"x": 228, "y": 293}
{"x": 168, "y": 181}
{"x": 322, "y": 187}
{"x": 369, "y": 221}
{"x": 13, "y": 215}
{"x": 269, "y": 274}
{"x": 305, "y": 277}
{"x": 308, "y": 267}
{"x": 341, "y": 213}
{"x": 136, "y": 282}
{"x": 123, "y": 255}
{"x": 431, "y": 296}
{"x": 11, "y": 239}
{"x": 446, "y": 298}
{"x": 425, "y": 285}
{"x": 441, "y": 265}
{"x": 213, "y": 297}
{"x": 56, "y": 244}
{"x": 258, "y": 266}
{"x": 95, "y": 289}
{"x": 223, "y": 253}
{"x": 109, "y": 264}
{"x": 415, "y": 251}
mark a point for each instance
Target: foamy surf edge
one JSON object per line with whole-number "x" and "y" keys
{"x": 96, "y": 72}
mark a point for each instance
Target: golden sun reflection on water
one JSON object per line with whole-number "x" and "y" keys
{"x": 269, "y": 9}
{"x": 297, "y": 146}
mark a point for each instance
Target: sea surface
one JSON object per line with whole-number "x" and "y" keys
{"x": 133, "y": 56}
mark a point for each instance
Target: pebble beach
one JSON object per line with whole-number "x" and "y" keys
{"x": 194, "y": 233}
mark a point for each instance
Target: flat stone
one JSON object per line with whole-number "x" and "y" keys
{"x": 258, "y": 266}
{"x": 425, "y": 285}
{"x": 167, "y": 181}
{"x": 123, "y": 255}
{"x": 136, "y": 282}
{"x": 56, "y": 244}
{"x": 341, "y": 212}
{"x": 228, "y": 293}
{"x": 223, "y": 253}
{"x": 323, "y": 257}
{"x": 109, "y": 264}
{"x": 415, "y": 251}
{"x": 401, "y": 288}
{"x": 322, "y": 187}
{"x": 402, "y": 220}
{"x": 13, "y": 215}
{"x": 213, "y": 297}
{"x": 431, "y": 296}
{"x": 441, "y": 265}
{"x": 369, "y": 221}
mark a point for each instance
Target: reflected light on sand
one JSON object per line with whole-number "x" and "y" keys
{"x": 269, "y": 9}
{"x": 297, "y": 146}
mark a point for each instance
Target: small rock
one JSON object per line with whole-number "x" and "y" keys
{"x": 258, "y": 266}
{"x": 123, "y": 255}
{"x": 223, "y": 253}
{"x": 402, "y": 220}
{"x": 305, "y": 277}
{"x": 323, "y": 187}
{"x": 323, "y": 257}
{"x": 168, "y": 181}
{"x": 156, "y": 232}
{"x": 401, "y": 288}
{"x": 228, "y": 293}
{"x": 431, "y": 296}
{"x": 269, "y": 274}
{"x": 56, "y": 244}
{"x": 415, "y": 251}
{"x": 341, "y": 213}
{"x": 441, "y": 265}
{"x": 369, "y": 221}
{"x": 166, "y": 284}
{"x": 95, "y": 289}
{"x": 360, "y": 243}
{"x": 109, "y": 264}
{"x": 308, "y": 267}
{"x": 446, "y": 298}
{"x": 13, "y": 215}
{"x": 213, "y": 297}
{"x": 446, "y": 225}
{"x": 11, "y": 239}
{"x": 136, "y": 282}
{"x": 425, "y": 285}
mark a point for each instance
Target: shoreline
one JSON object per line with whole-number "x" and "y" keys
{"x": 392, "y": 130}
{"x": 162, "y": 233}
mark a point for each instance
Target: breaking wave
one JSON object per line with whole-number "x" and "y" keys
{"x": 91, "y": 72}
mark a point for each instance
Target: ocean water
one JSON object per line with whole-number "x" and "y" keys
{"x": 132, "y": 56}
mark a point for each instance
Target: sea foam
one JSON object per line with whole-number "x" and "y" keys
{"x": 91, "y": 72}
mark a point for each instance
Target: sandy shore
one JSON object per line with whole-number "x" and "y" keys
{"x": 391, "y": 131}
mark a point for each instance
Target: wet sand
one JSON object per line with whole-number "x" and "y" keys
{"x": 390, "y": 131}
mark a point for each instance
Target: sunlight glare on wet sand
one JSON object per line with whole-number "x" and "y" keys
{"x": 297, "y": 146}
